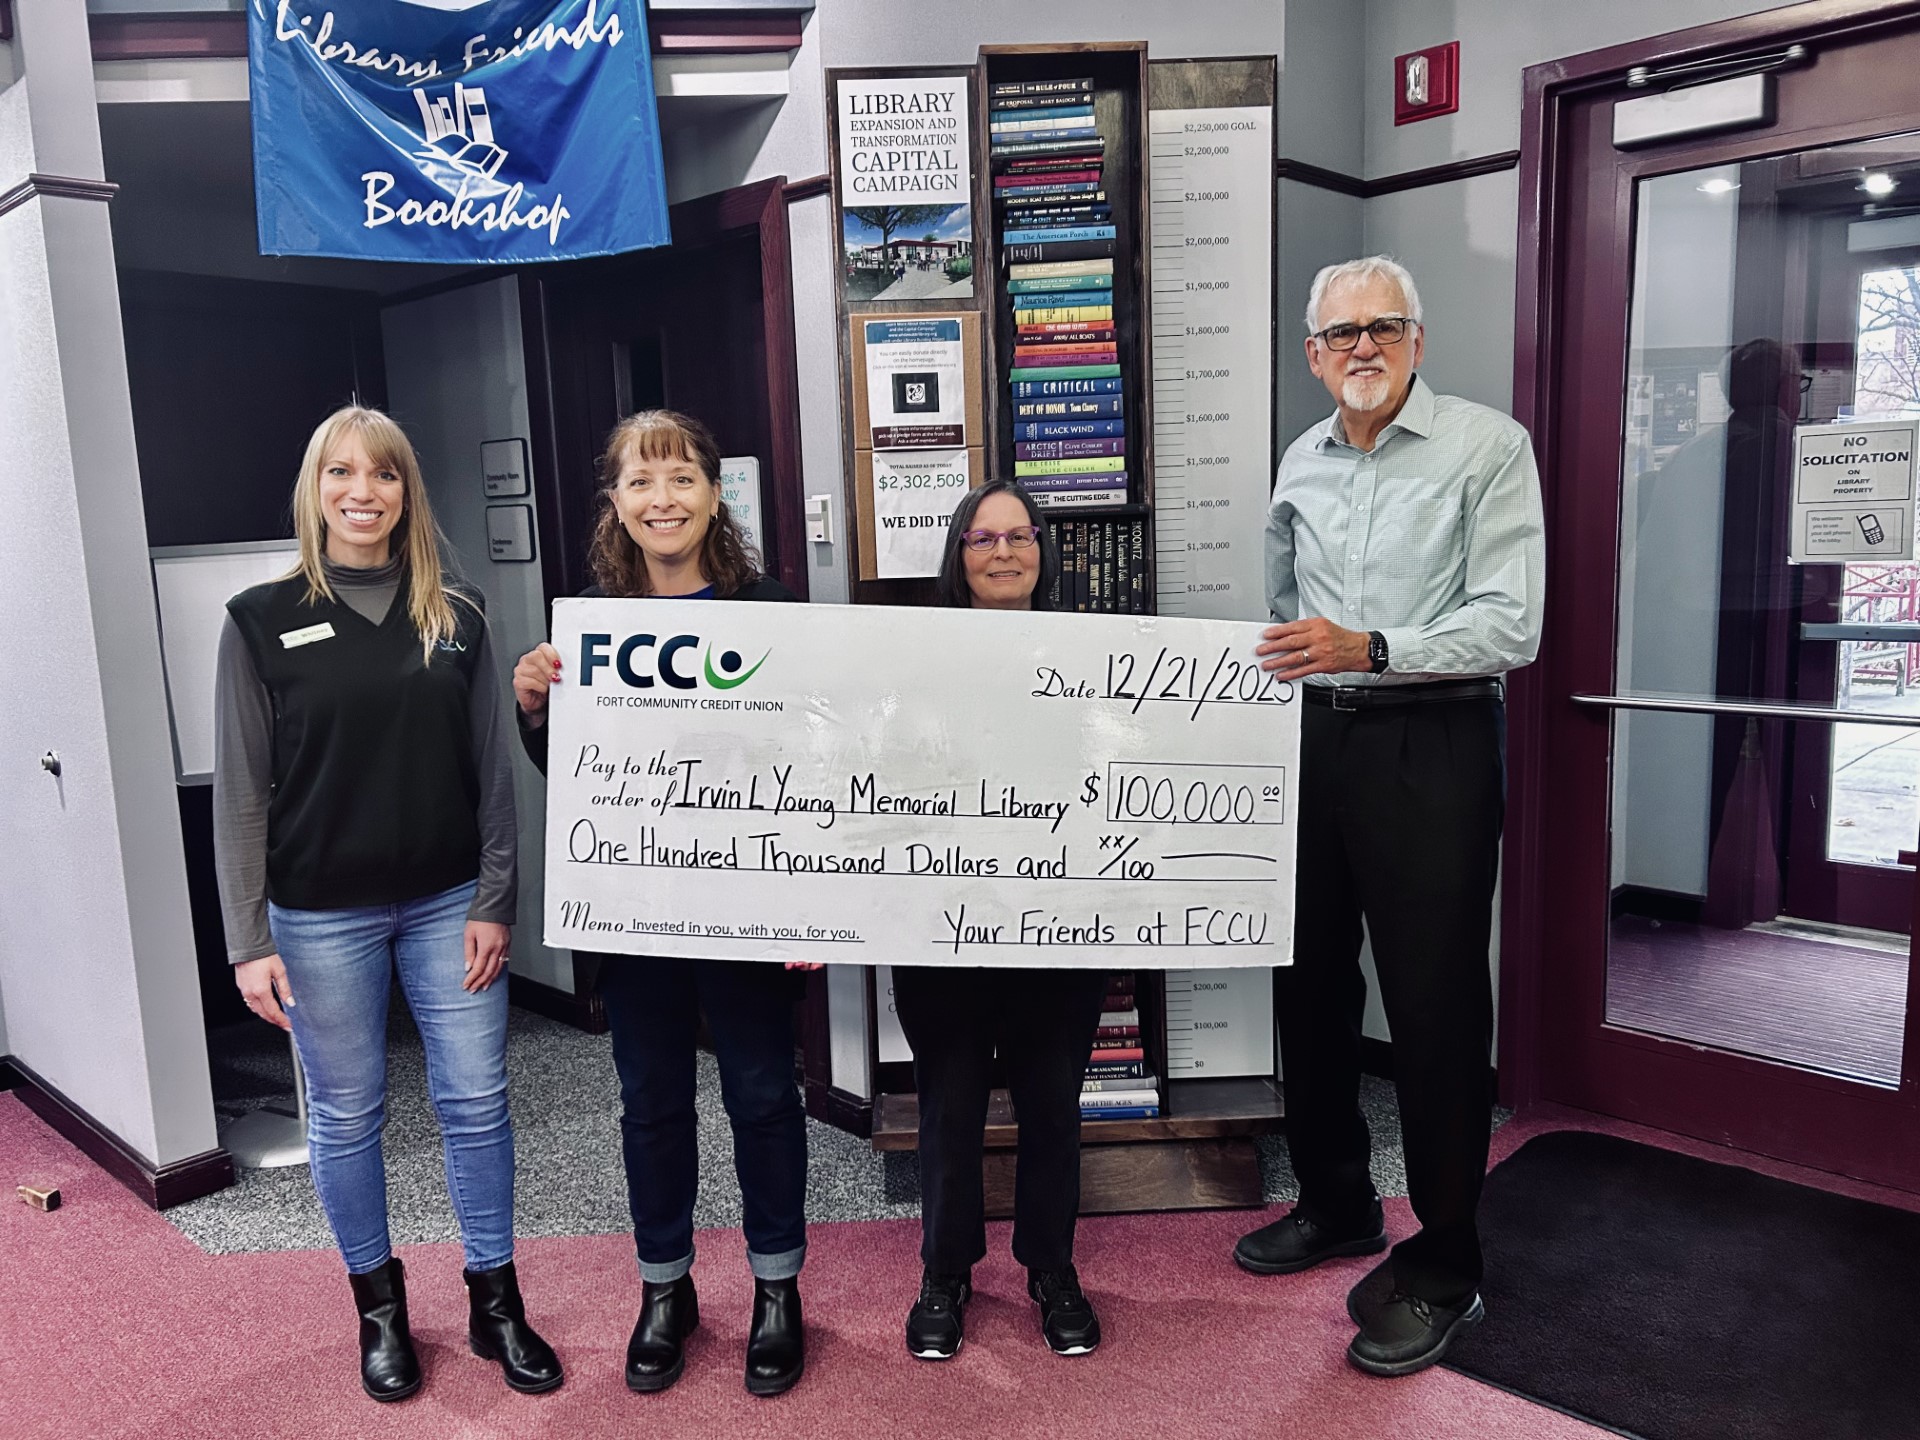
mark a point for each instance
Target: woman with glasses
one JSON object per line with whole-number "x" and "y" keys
{"x": 664, "y": 531}
{"x": 1040, "y": 1023}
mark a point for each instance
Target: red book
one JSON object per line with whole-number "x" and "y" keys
{"x": 1043, "y": 350}
{"x": 1065, "y": 357}
{"x": 1113, "y": 1051}
{"x": 1064, "y": 160}
{"x": 1043, "y": 178}
{"x": 1117, "y": 1032}
{"x": 1057, "y": 327}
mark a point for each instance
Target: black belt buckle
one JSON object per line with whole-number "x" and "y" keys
{"x": 1348, "y": 697}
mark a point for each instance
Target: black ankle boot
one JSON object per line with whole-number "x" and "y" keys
{"x": 777, "y": 1344}
{"x": 497, "y": 1330}
{"x": 389, "y": 1370}
{"x": 657, "y": 1352}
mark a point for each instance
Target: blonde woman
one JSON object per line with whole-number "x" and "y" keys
{"x": 363, "y": 825}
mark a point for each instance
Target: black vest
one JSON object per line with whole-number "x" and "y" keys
{"x": 375, "y": 791}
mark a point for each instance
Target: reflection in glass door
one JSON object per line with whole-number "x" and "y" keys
{"x": 1761, "y": 846}
{"x": 1873, "y": 810}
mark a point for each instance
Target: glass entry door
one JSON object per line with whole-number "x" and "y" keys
{"x": 1730, "y": 873}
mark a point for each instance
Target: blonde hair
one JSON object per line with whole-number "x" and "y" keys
{"x": 415, "y": 537}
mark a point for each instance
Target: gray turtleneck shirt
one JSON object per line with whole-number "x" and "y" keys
{"x": 243, "y": 761}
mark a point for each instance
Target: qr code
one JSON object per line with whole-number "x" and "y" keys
{"x": 916, "y": 393}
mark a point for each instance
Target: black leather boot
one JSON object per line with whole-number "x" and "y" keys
{"x": 657, "y": 1352}
{"x": 389, "y": 1370}
{"x": 777, "y": 1344}
{"x": 497, "y": 1330}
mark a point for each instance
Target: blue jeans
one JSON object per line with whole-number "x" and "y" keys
{"x": 340, "y": 965}
{"x": 653, "y": 1010}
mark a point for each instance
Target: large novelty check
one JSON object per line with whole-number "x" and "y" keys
{"x": 906, "y": 786}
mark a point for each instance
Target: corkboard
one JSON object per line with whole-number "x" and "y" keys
{"x": 971, "y": 372}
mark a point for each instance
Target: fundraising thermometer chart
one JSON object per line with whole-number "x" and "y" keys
{"x": 1212, "y": 214}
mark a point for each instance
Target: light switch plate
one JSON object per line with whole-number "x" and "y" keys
{"x": 820, "y": 518}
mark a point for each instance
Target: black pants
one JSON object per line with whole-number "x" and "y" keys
{"x": 1400, "y": 816}
{"x": 1042, "y": 1024}
{"x": 653, "y": 1010}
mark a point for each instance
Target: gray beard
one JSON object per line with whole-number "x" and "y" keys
{"x": 1364, "y": 395}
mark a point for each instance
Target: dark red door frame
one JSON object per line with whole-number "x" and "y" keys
{"x": 1542, "y": 1006}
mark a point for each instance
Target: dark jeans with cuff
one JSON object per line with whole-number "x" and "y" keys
{"x": 1041, "y": 1022}
{"x": 1400, "y": 817}
{"x": 653, "y": 1011}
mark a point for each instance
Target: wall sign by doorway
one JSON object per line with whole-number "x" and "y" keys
{"x": 503, "y": 468}
{"x": 509, "y": 533}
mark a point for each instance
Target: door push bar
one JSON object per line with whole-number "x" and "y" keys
{"x": 1757, "y": 709}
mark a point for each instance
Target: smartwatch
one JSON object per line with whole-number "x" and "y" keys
{"x": 1377, "y": 651}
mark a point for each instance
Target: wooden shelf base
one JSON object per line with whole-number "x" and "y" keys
{"x": 1198, "y": 1155}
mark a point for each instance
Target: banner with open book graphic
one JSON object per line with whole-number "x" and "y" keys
{"x": 928, "y": 787}
{"x": 454, "y": 131}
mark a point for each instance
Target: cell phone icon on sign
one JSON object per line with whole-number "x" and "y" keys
{"x": 1870, "y": 527}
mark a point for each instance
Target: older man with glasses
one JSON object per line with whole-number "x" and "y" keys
{"x": 1405, "y": 564}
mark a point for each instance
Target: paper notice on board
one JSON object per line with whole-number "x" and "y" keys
{"x": 740, "y": 489}
{"x": 914, "y": 495}
{"x": 916, "y": 391}
{"x": 1853, "y": 492}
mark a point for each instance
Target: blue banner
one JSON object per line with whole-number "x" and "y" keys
{"x": 456, "y": 131}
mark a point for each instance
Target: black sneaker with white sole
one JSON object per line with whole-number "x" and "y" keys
{"x": 937, "y": 1323}
{"x": 1066, "y": 1315}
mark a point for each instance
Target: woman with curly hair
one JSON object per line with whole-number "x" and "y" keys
{"x": 664, "y": 531}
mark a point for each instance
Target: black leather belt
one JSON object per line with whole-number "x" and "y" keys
{"x": 1385, "y": 697}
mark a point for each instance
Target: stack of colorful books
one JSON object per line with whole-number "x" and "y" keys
{"x": 1118, "y": 1085}
{"x": 1058, "y": 241}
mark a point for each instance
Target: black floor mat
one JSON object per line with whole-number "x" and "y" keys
{"x": 1677, "y": 1299}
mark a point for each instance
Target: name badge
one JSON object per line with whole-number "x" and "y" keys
{"x": 322, "y": 631}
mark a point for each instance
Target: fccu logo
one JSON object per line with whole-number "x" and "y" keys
{"x": 724, "y": 671}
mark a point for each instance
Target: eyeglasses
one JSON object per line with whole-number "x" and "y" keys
{"x": 1387, "y": 330}
{"x": 1021, "y": 537}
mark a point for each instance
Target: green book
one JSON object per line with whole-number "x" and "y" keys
{"x": 1064, "y": 372}
{"x": 1061, "y": 282}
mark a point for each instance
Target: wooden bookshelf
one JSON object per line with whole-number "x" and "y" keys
{"x": 1119, "y": 74}
{"x": 1199, "y": 1154}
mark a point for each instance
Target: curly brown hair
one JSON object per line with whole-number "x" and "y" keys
{"x": 619, "y": 565}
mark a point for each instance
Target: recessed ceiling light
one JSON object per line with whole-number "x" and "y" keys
{"x": 1718, "y": 185}
{"x": 1879, "y": 183}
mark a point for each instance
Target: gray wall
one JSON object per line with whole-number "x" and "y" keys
{"x": 1459, "y": 239}
{"x": 97, "y": 969}
{"x": 456, "y": 377}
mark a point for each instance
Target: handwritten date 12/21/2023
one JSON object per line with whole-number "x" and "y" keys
{"x": 1132, "y": 680}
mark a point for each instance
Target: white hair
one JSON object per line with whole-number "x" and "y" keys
{"x": 1369, "y": 267}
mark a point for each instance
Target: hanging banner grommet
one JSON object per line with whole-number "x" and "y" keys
{"x": 489, "y": 132}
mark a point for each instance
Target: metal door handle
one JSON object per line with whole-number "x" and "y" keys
{"x": 1758, "y": 709}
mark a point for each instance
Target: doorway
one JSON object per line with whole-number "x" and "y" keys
{"x": 704, "y": 326}
{"x": 1717, "y": 760}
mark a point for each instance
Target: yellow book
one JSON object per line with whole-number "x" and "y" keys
{"x": 1059, "y": 314}
{"x": 1079, "y": 466}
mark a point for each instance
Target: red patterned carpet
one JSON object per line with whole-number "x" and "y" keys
{"x": 118, "y": 1326}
